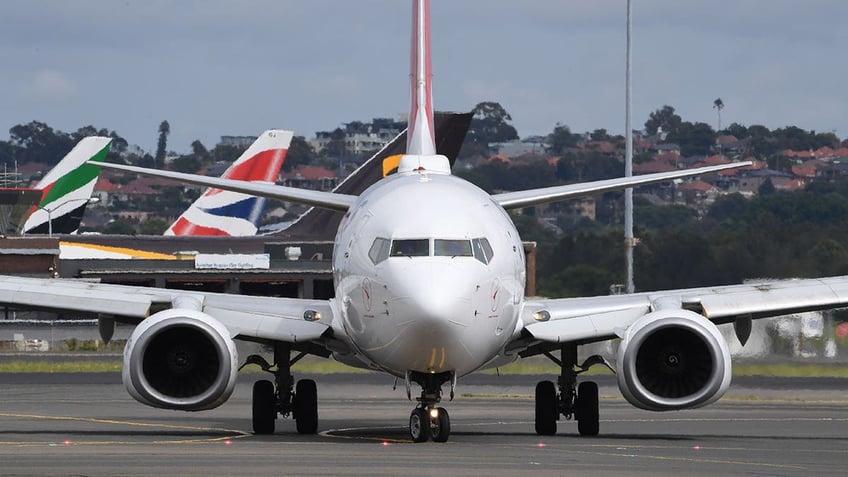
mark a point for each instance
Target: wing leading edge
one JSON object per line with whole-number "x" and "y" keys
{"x": 526, "y": 198}
{"x": 326, "y": 200}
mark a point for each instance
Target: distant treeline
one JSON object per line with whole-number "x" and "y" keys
{"x": 780, "y": 235}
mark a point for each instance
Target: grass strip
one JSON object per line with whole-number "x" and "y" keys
{"x": 314, "y": 365}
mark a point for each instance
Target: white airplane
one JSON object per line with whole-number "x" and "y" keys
{"x": 429, "y": 278}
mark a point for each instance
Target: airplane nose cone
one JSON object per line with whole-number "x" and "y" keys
{"x": 434, "y": 295}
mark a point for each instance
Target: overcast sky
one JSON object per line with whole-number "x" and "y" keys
{"x": 214, "y": 67}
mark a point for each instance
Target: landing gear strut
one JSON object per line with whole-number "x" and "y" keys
{"x": 281, "y": 396}
{"x": 572, "y": 401}
{"x": 428, "y": 421}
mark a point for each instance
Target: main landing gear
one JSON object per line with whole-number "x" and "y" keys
{"x": 428, "y": 421}
{"x": 572, "y": 401}
{"x": 282, "y": 396}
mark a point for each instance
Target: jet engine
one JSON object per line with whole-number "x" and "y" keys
{"x": 180, "y": 359}
{"x": 673, "y": 359}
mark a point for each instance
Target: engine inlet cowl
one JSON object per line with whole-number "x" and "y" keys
{"x": 673, "y": 359}
{"x": 180, "y": 359}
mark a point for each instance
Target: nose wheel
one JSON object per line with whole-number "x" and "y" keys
{"x": 427, "y": 421}
{"x": 426, "y": 424}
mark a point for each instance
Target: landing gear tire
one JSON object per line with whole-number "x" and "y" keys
{"x": 306, "y": 407}
{"x": 264, "y": 407}
{"x": 419, "y": 425}
{"x": 546, "y": 408}
{"x": 440, "y": 426}
{"x": 586, "y": 409}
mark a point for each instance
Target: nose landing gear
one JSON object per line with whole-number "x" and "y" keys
{"x": 427, "y": 421}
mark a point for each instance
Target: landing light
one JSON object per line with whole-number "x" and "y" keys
{"x": 311, "y": 315}
{"x": 434, "y": 413}
{"x": 542, "y": 316}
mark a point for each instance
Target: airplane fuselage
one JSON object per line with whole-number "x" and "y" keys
{"x": 429, "y": 274}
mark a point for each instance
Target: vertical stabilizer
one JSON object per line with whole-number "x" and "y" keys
{"x": 420, "y": 139}
{"x": 67, "y": 188}
{"x": 219, "y": 212}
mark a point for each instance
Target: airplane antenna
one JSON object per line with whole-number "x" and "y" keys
{"x": 629, "y": 240}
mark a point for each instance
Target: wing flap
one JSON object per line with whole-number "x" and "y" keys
{"x": 775, "y": 298}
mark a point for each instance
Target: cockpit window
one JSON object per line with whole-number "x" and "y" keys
{"x": 482, "y": 250}
{"x": 379, "y": 250}
{"x": 411, "y": 248}
{"x": 452, "y": 248}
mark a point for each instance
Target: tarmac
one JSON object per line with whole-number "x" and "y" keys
{"x": 86, "y": 424}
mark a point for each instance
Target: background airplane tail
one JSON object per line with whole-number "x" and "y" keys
{"x": 67, "y": 188}
{"x": 225, "y": 213}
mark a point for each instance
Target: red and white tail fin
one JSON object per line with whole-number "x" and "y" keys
{"x": 420, "y": 139}
{"x": 219, "y": 212}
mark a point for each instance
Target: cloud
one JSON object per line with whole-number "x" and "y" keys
{"x": 51, "y": 85}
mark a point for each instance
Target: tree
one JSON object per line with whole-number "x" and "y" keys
{"x": 693, "y": 138}
{"x": 665, "y": 119}
{"x": 336, "y": 146}
{"x": 38, "y": 142}
{"x": 300, "y": 152}
{"x": 164, "y": 130}
{"x": 718, "y": 105}
{"x": 154, "y": 226}
{"x": 188, "y": 164}
{"x": 766, "y": 188}
{"x": 600, "y": 135}
{"x": 561, "y": 139}
{"x": 490, "y": 124}
{"x": 199, "y": 150}
{"x": 119, "y": 227}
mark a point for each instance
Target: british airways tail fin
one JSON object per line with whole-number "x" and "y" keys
{"x": 67, "y": 188}
{"x": 225, "y": 213}
{"x": 420, "y": 139}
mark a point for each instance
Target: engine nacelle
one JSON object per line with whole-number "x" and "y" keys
{"x": 180, "y": 359}
{"x": 673, "y": 359}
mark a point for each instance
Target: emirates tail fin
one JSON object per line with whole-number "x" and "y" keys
{"x": 66, "y": 190}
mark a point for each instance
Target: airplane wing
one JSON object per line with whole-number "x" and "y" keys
{"x": 245, "y": 317}
{"x": 327, "y": 200}
{"x": 527, "y": 198}
{"x": 589, "y": 319}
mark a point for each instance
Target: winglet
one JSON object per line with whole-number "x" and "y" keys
{"x": 420, "y": 140}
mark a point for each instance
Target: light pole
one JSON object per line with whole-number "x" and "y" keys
{"x": 89, "y": 200}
